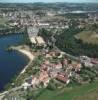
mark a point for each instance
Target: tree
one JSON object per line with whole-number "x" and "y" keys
{"x": 51, "y": 85}
{"x": 30, "y": 95}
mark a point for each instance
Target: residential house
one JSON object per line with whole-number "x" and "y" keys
{"x": 63, "y": 78}
{"x": 44, "y": 78}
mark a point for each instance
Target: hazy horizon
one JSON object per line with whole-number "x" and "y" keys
{"x": 48, "y": 1}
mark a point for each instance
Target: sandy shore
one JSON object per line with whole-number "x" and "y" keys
{"x": 27, "y": 53}
{"x": 25, "y": 50}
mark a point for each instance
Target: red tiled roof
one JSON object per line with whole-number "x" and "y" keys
{"x": 62, "y": 78}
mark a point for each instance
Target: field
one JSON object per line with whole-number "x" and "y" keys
{"x": 3, "y": 22}
{"x": 90, "y": 37}
{"x": 71, "y": 93}
{"x": 90, "y": 96}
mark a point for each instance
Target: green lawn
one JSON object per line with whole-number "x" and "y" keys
{"x": 68, "y": 93}
{"x": 90, "y": 96}
{"x": 3, "y": 22}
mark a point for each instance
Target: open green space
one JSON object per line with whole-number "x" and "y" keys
{"x": 93, "y": 95}
{"x": 90, "y": 37}
{"x": 2, "y": 20}
{"x": 69, "y": 93}
{"x": 3, "y": 23}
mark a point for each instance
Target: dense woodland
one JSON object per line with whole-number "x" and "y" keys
{"x": 66, "y": 42}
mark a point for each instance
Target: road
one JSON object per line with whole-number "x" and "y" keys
{"x": 7, "y": 92}
{"x": 68, "y": 55}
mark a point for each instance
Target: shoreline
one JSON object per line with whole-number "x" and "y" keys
{"x": 29, "y": 55}
{"x": 11, "y": 31}
{"x": 9, "y": 34}
{"x": 25, "y": 51}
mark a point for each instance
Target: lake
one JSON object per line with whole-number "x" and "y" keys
{"x": 11, "y": 63}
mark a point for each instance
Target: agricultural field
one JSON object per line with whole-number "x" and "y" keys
{"x": 89, "y": 37}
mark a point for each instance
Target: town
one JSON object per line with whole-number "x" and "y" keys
{"x": 19, "y": 18}
{"x": 51, "y": 67}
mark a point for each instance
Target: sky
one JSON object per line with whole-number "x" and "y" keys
{"x": 32, "y": 1}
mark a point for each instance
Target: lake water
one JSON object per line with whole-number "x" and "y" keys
{"x": 13, "y": 62}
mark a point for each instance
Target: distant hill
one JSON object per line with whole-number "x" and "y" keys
{"x": 89, "y": 37}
